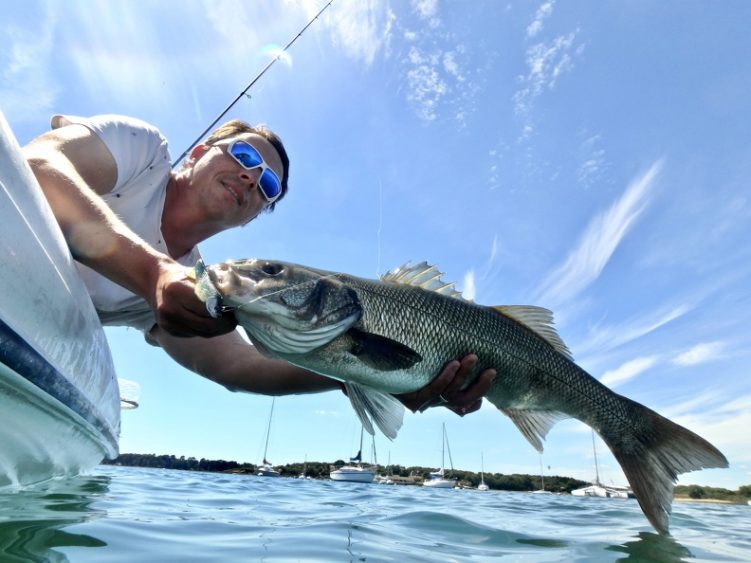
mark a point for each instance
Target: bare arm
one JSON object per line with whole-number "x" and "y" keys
{"x": 230, "y": 361}
{"x": 74, "y": 167}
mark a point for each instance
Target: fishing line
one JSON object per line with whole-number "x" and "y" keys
{"x": 380, "y": 225}
{"x": 267, "y": 295}
{"x": 249, "y": 86}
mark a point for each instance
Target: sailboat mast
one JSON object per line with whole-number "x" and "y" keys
{"x": 597, "y": 469}
{"x": 448, "y": 447}
{"x": 542, "y": 478}
{"x": 268, "y": 430}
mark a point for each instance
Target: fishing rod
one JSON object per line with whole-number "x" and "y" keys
{"x": 252, "y": 82}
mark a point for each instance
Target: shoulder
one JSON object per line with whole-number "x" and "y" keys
{"x": 136, "y": 146}
{"x": 119, "y": 132}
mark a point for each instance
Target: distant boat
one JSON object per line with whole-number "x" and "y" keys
{"x": 304, "y": 474}
{"x": 386, "y": 479}
{"x": 266, "y": 469}
{"x": 438, "y": 478}
{"x": 597, "y": 489}
{"x": 541, "y": 490}
{"x": 482, "y": 486}
{"x": 354, "y": 473}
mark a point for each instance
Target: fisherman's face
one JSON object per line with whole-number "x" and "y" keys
{"x": 229, "y": 193}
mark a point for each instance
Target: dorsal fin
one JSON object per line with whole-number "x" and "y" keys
{"x": 422, "y": 275}
{"x": 538, "y": 319}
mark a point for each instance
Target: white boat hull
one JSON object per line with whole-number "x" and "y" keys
{"x": 439, "y": 483}
{"x": 353, "y": 474}
{"x": 267, "y": 471}
{"x": 602, "y": 492}
{"x": 59, "y": 398}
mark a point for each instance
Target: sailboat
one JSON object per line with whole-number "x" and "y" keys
{"x": 541, "y": 490}
{"x": 482, "y": 486}
{"x": 386, "y": 480}
{"x": 266, "y": 469}
{"x": 304, "y": 474}
{"x": 438, "y": 478}
{"x": 597, "y": 489}
{"x": 356, "y": 473}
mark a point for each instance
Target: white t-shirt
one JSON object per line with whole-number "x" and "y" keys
{"x": 143, "y": 170}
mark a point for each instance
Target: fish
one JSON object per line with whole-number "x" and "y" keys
{"x": 392, "y": 335}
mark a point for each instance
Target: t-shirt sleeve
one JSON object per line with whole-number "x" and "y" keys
{"x": 137, "y": 147}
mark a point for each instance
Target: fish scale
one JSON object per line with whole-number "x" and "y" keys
{"x": 395, "y": 334}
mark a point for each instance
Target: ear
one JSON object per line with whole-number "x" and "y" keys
{"x": 198, "y": 151}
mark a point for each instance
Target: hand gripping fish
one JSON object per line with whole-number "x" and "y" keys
{"x": 394, "y": 334}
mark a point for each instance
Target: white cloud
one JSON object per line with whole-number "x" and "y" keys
{"x": 469, "y": 285}
{"x": 598, "y": 242}
{"x": 361, "y": 28}
{"x": 608, "y": 338}
{"x": 425, "y": 84}
{"x": 628, "y": 371}
{"x": 27, "y": 84}
{"x": 704, "y": 352}
{"x": 426, "y": 9}
{"x": 725, "y": 425}
{"x": 543, "y": 13}
{"x": 593, "y": 162}
{"x": 546, "y": 62}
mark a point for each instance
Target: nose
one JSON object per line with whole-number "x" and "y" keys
{"x": 250, "y": 177}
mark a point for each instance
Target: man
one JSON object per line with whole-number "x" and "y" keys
{"x": 133, "y": 225}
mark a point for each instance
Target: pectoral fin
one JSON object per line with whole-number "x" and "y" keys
{"x": 384, "y": 409}
{"x": 534, "y": 424}
{"x": 381, "y": 353}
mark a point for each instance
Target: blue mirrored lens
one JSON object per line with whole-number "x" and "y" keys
{"x": 246, "y": 154}
{"x": 270, "y": 185}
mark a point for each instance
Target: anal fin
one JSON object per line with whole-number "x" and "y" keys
{"x": 533, "y": 424}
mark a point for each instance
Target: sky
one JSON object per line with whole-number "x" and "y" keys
{"x": 589, "y": 157}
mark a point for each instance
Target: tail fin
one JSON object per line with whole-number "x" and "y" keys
{"x": 653, "y": 454}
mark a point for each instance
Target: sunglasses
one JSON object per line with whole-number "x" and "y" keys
{"x": 249, "y": 158}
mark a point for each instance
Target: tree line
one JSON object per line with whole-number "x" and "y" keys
{"x": 321, "y": 470}
{"x": 413, "y": 474}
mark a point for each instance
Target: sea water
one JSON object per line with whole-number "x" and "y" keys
{"x": 144, "y": 515}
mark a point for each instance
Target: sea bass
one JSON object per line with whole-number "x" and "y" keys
{"x": 394, "y": 335}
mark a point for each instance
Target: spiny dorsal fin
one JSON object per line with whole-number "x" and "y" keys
{"x": 538, "y": 319}
{"x": 421, "y": 275}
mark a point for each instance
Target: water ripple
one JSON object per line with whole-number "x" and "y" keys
{"x": 128, "y": 514}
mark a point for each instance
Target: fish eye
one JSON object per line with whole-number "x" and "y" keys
{"x": 271, "y": 269}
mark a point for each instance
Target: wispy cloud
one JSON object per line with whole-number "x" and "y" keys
{"x": 592, "y": 161}
{"x": 425, "y": 84}
{"x": 699, "y": 354}
{"x": 27, "y": 84}
{"x": 427, "y": 10}
{"x": 604, "y": 338}
{"x": 543, "y": 13}
{"x": 628, "y": 371}
{"x": 602, "y": 236}
{"x": 724, "y": 421}
{"x": 546, "y": 63}
{"x": 469, "y": 285}
{"x": 361, "y": 29}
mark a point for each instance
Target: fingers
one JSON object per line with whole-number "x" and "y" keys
{"x": 422, "y": 398}
{"x": 181, "y": 313}
{"x": 447, "y": 388}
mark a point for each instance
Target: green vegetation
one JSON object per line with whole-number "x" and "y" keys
{"x": 411, "y": 475}
{"x": 320, "y": 470}
{"x": 697, "y": 492}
